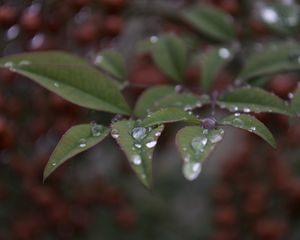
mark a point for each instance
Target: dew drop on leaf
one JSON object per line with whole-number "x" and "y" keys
{"x": 247, "y": 110}
{"x": 136, "y": 160}
{"x": 138, "y": 145}
{"x": 115, "y": 133}
{"x": 238, "y": 122}
{"x": 198, "y": 143}
{"x": 96, "y": 129}
{"x": 269, "y": 15}
{"x": 151, "y": 144}
{"x": 153, "y": 39}
{"x": 138, "y": 133}
{"x": 224, "y": 53}
{"x": 252, "y": 129}
{"x": 82, "y": 143}
{"x": 56, "y": 84}
{"x": 191, "y": 170}
{"x": 216, "y": 136}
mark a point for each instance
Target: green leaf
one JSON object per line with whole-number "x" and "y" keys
{"x": 213, "y": 61}
{"x": 148, "y": 98}
{"x": 295, "y": 104}
{"x": 195, "y": 144}
{"x": 138, "y": 144}
{"x": 170, "y": 55}
{"x": 252, "y": 99}
{"x": 274, "y": 58}
{"x": 156, "y": 98}
{"x": 113, "y": 63}
{"x": 211, "y": 21}
{"x": 280, "y": 17}
{"x": 250, "y": 124}
{"x": 169, "y": 115}
{"x": 71, "y": 78}
{"x": 76, "y": 140}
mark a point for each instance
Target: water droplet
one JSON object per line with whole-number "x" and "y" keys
{"x": 233, "y": 108}
{"x": 198, "y": 143}
{"x": 54, "y": 164}
{"x": 188, "y": 108}
{"x": 179, "y": 88}
{"x": 216, "y": 135}
{"x": 37, "y": 41}
{"x": 82, "y": 142}
{"x": 115, "y": 133}
{"x": 151, "y": 144}
{"x": 269, "y": 15}
{"x": 136, "y": 160}
{"x": 96, "y": 129}
{"x": 138, "y": 145}
{"x": 247, "y": 110}
{"x": 237, "y": 114}
{"x": 138, "y": 133}
{"x": 238, "y": 122}
{"x": 290, "y": 95}
{"x": 12, "y": 32}
{"x": 157, "y": 134}
{"x": 98, "y": 59}
{"x": 252, "y": 129}
{"x": 191, "y": 170}
{"x": 224, "y": 53}
{"x": 153, "y": 39}
{"x": 24, "y": 63}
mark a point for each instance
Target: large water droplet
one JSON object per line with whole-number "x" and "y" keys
{"x": 216, "y": 135}
{"x": 151, "y": 144}
{"x": 82, "y": 143}
{"x": 191, "y": 170}
{"x": 136, "y": 160}
{"x": 139, "y": 133}
{"x": 269, "y": 15}
{"x": 96, "y": 129}
{"x": 224, "y": 53}
{"x": 115, "y": 133}
{"x": 238, "y": 122}
{"x": 198, "y": 143}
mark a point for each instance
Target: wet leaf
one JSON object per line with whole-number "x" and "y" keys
{"x": 169, "y": 115}
{"x": 71, "y": 78}
{"x": 76, "y": 140}
{"x": 295, "y": 104}
{"x": 195, "y": 144}
{"x": 138, "y": 144}
{"x": 252, "y": 99}
{"x": 250, "y": 124}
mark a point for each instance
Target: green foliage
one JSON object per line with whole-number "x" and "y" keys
{"x": 212, "y": 62}
{"x": 273, "y": 58}
{"x": 211, "y": 22}
{"x": 138, "y": 144}
{"x": 170, "y": 55}
{"x": 296, "y": 102}
{"x": 76, "y": 140}
{"x": 250, "y": 124}
{"x": 169, "y": 115}
{"x": 113, "y": 63}
{"x": 69, "y": 77}
{"x": 253, "y": 99}
{"x": 195, "y": 144}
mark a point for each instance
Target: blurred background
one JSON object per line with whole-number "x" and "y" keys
{"x": 246, "y": 190}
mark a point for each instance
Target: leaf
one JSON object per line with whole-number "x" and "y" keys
{"x": 113, "y": 63}
{"x": 170, "y": 55}
{"x": 211, "y": 21}
{"x": 295, "y": 104}
{"x": 213, "y": 61}
{"x": 138, "y": 144}
{"x": 250, "y": 124}
{"x": 71, "y": 78}
{"x": 169, "y": 115}
{"x": 280, "y": 17}
{"x": 252, "y": 99}
{"x": 149, "y": 96}
{"x": 76, "y": 140}
{"x": 195, "y": 144}
{"x": 272, "y": 59}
